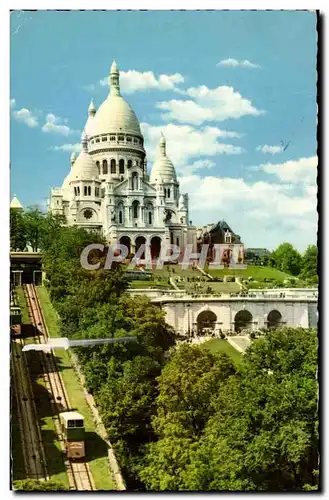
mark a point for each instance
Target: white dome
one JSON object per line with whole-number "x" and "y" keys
{"x": 84, "y": 167}
{"x": 114, "y": 115}
{"x": 67, "y": 180}
{"x": 89, "y": 124}
{"x": 163, "y": 167}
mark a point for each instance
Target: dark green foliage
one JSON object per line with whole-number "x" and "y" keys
{"x": 287, "y": 259}
{"x": 122, "y": 377}
{"x": 262, "y": 432}
{"x": 35, "y": 485}
{"x": 309, "y": 271}
{"x": 33, "y": 228}
{"x": 18, "y": 236}
{"x": 187, "y": 387}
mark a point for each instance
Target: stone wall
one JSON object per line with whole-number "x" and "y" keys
{"x": 182, "y": 314}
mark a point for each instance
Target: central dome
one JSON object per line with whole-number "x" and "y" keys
{"x": 114, "y": 115}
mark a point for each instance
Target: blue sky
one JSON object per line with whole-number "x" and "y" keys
{"x": 236, "y": 102}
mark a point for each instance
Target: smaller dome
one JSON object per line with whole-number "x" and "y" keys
{"x": 84, "y": 166}
{"x": 163, "y": 166}
{"x": 67, "y": 180}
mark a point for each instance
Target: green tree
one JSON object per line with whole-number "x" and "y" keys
{"x": 309, "y": 266}
{"x": 264, "y": 434}
{"x": 35, "y": 485}
{"x": 187, "y": 386}
{"x": 287, "y": 259}
{"x": 18, "y": 230}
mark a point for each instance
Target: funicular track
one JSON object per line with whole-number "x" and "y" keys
{"x": 78, "y": 471}
{"x": 30, "y": 434}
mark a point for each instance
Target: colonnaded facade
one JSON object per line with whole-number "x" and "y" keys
{"x": 108, "y": 188}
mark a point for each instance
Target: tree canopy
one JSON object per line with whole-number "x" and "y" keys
{"x": 260, "y": 431}
{"x": 287, "y": 259}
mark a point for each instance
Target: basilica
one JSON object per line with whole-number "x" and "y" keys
{"x": 109, "y": 189}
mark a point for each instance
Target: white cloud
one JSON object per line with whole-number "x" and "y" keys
{"x": 185, "y": 142}
{"x": 53, "y": 125}
{"x": 254, "y": 209}
{"x": 24, "y": 116}
{"x": 301, "y": 171}
{"x": 270, "y": 149}
{"x": 216, "y": 104}
{"x": 199, "y": 164}
{"x": 234, "y": 63}
{"x": 134, "y": 81}
{"x": 68, "y": 148}
{"x": 12, "y": 103}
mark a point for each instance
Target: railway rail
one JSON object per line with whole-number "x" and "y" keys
{"x": 78, "y": 472}
{"x": 30, "y": 433}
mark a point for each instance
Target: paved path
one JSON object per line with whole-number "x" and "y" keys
{"x": 239, "y": 342}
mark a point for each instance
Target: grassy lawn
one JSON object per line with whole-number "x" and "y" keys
{"x": 96, "y": 448}
{"x": 175, "y": 270}
{"x": 22, "y": 303}
{"x": 221, "y": 345}
{"x": 257, "y": 272}
{"x": 149, "y": 284}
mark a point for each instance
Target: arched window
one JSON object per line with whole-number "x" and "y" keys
{"x": 113, "y": 166}
{"x": 122, "y": 166}
{"x": 120, "y": 211}
{"x": 168, "y": 193}
{"x": 228, "y": 237}
{"x": 149, "y": 214}
{"x": 78, "y": 189}
{"x": 134, "y": 181}
{"x": 98, "y": 167}
{"x": 104, "y": 166}
{"x": 129, "y": 164}
{"x": 85, "y": 191}
{"x": 165, "y": 192}
{"x": 135, "y": 209}
{"x": 89, "y": 190}
{"x": 75, "y": 191}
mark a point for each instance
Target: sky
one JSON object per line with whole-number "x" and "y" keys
{"x": 234, "y": 93}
